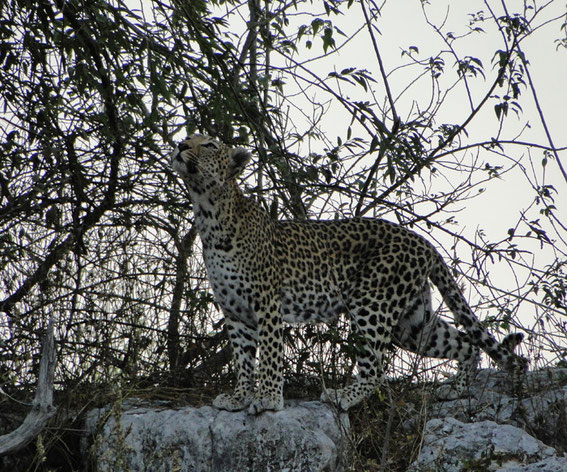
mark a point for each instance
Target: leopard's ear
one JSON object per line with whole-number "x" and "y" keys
{"x": 239, "y": 157}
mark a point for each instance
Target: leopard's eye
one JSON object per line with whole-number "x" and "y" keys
{"x": 210, "y": 144}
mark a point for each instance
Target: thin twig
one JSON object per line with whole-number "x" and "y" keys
{"x": 380, "y": 63}
{"x": 536, "y": 99}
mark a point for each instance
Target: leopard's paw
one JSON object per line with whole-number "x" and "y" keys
{"x": 339, "y": 398}
{"x": 332, "y": 395}
{"x": 346, "y": 398}
{"x": 231, "y": 402}
{"x": 263, "y": 403}
{"x": 449, "y": 391}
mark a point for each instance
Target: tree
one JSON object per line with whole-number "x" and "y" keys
{"x": 96, "y": 231}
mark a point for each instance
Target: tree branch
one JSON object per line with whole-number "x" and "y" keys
{"x": 42, "y": 406}
{"x": 109, "y": 198}
{"x": 536, "y": 100}
{"x": 435, "y": 153}
{"x": 395, "y": 116}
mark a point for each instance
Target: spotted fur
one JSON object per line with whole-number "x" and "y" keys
{"x": 265, "y": 272}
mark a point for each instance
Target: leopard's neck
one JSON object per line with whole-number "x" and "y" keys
{"x": 222, "y": 216}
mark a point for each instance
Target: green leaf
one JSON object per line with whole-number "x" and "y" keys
{"x": 328, "y": 41}
{"x": 501, "y": 109}
{"x": 316, "y": 25}
{"x": 374, "y": 143}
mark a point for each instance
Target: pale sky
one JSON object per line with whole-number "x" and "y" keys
{"x": 401, "y": 25}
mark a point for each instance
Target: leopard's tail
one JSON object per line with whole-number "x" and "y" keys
{"x": 502, "y": 353}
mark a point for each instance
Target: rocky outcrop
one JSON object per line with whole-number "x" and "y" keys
{"x": 452, "y": 446}
{"x": 305, "y": 436}
{"x": 492, "y": 429}
{"x": 539, "y": 405}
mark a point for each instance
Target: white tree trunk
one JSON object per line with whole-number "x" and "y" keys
{"x": 42, "y": 408}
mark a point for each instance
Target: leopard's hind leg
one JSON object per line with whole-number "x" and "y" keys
{"x": 422, "y": 331}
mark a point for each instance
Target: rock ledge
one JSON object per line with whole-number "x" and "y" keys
{"x": 305, "y": 436}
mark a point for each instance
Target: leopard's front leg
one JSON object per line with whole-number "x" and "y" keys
{"x": 269, "y": 394}
{"x": 243, "y": 339}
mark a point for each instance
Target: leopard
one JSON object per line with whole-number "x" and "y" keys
{"x": 265, "y": 272}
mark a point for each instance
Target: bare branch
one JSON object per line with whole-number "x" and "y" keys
{"x": 42, "y": 408}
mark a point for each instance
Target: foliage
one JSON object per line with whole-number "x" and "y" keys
{"x": 96, "y": 231}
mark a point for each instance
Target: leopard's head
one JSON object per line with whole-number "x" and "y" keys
{"x": 207, "y": 164}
